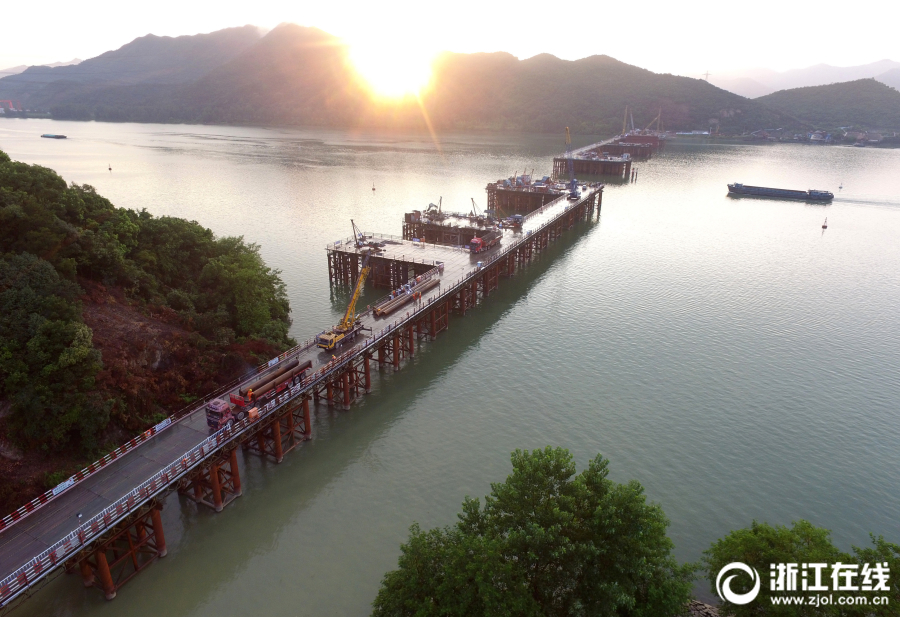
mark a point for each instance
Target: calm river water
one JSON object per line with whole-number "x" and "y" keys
{"x": 736, "y": 360}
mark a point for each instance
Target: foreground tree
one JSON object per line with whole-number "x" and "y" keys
{"x": 547, "y": 542}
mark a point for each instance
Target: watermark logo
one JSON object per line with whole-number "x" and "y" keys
{"x": 808, "y": 581}
{"x": 724, "y": 587}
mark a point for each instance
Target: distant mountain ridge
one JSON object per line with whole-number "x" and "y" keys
{"x": 146, "y": 60}
{"x": 303, "y": 76}
{"x": 152, "y": 59}
{"x": 546, "y": 93}
{"x": 864, "y": 104}
{"x": 890, "y": 78}
{"x": 15, "y": 70}
{"x": 754, "y": 83}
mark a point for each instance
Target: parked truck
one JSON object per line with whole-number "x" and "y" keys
{"x": 488, "y": 240}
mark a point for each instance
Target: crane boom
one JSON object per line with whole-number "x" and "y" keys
{"x": 358, "y": 237}
{"x": 350, "y": 325}
{"x": 350, "y": 316}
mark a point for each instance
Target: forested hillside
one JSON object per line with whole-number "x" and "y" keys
{"x": 864, "y": 104}
{"x": 110, "y": 319}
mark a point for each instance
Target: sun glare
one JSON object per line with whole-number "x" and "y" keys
{"x": 392, "y": 72}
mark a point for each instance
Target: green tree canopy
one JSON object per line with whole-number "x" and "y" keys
{"x": 546, "y": 542}
{"x": 47, "y": 360}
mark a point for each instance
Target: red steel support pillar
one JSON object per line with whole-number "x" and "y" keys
{"x": 368, "y": 375}
{"x": 106, "y": 582}
{"x": 397, "y": 351}
{"x": 345, "y": 384}
{"x": 412, "y": 341}
{"x": 307, "y": 434}
{"x": 261, "y": 441}
{"x": 329, "y": 393}
{"x": 157, "y": 518}
{"x": 235, "y": 479}
{"x": 289, "y": 424}
{"x": 276, "y": 439}
{"x": 216, "y": 486}
{"x": 87, "y": 574}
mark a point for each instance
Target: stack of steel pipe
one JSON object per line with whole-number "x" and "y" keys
{"x": 267, "y": 382}
{"x": 392, "y": 305}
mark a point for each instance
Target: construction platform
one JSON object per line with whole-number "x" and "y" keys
{"x": 450, "y": 229}
{"x": 104, "y": 521}
{"x": 521, "y": 194}
{"x": 653, "y": 139}
{"x": 643, "y": 152}
{"x": 592, "y": 165}
{"x": 518, "y": 194}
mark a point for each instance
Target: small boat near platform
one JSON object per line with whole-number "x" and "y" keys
{"x": 762, "y": 191}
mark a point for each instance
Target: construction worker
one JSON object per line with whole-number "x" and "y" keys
{"x": 250, "y": 394}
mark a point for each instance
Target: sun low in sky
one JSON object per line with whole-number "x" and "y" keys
{"x": 392, "y": 71}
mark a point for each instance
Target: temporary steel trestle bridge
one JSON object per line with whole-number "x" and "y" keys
{"x": 121, "y": 495}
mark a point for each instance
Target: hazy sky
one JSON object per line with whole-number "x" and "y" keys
{"x": 679, "y": 37}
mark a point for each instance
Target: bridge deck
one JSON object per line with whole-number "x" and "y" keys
{"x": 33, "y": 534}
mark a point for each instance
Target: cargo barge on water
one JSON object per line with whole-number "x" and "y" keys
{"x": 762, "y": 191}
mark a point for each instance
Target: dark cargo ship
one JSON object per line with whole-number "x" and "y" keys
{"x": 762, "y": 191}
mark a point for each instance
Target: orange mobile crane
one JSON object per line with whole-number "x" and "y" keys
{"x": 350, "y": 324}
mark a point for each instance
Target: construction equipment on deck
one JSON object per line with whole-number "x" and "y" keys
{"x": 573, "y": 184}
{"x": 479, "y": 217}
{"x": 433, "y": 212}
{"x": 656, "y": 120}
{"x": 350, "y": 324}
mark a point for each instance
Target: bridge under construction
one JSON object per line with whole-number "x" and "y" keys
{"x": 104, "y": 522}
